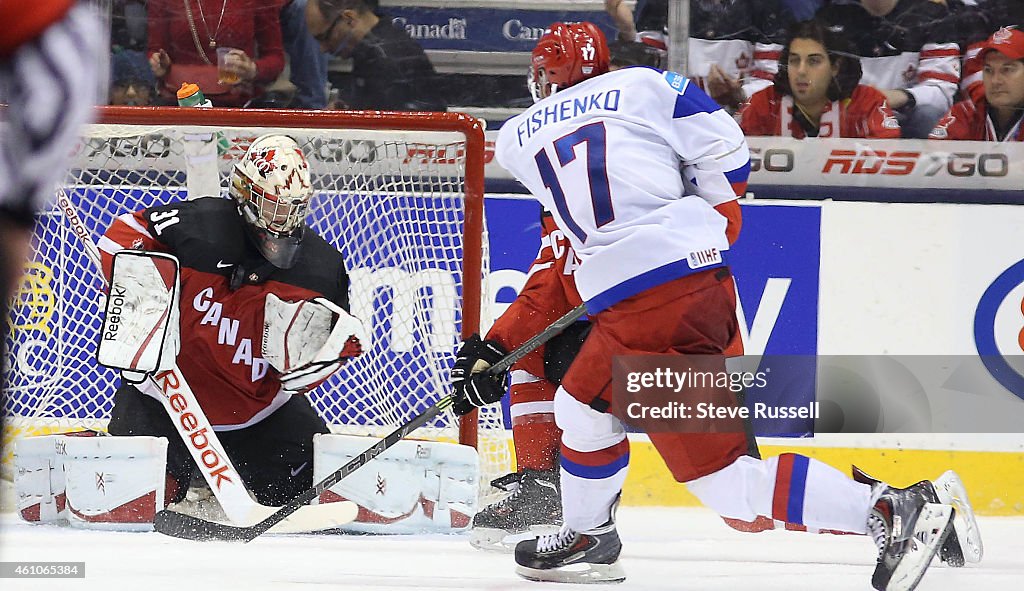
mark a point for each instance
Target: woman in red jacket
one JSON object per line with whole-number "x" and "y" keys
{"x": 184, "y": 36}
{"x": 817, "y": 92}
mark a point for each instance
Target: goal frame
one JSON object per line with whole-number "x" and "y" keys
{"x": 470, "y": 127}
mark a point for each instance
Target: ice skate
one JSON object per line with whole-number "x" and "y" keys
{"x": 533, "y": 508}
{"x": 951, "y": 491}
{"x": 908, "y": 530}
{"x": 964, "y": 542}
{"x": 572, "y": 557}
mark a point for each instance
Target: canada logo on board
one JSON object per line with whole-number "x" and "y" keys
{"x": 999, "y": 329}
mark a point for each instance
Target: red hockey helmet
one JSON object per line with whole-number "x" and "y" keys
{"x": 568, "y": 53}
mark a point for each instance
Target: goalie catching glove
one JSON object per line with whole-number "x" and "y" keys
{"x": 307, "y": 341}
{"x": 471, "y": 387}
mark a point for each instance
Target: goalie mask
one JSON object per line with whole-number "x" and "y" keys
{"x": 272, "y": 188}
{"x": 567, "y": 54}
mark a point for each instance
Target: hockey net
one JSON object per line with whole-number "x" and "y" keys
{"x": 400, "y": 195}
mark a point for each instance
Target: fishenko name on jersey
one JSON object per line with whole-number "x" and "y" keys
{"x": 568, "y": 109}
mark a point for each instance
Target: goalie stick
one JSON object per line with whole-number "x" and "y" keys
{"x": 223, "y": 478}
{"x": 189, "y": 527}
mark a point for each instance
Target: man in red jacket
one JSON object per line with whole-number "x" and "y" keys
{"x": 995, "y": 115}
{"x": 818, "y": 92}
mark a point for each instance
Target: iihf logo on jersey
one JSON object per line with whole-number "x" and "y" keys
{"x": 999, "y": 329}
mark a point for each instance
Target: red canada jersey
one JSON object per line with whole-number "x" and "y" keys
{"x": 866, "y": 114}
{"x": 224, "y": 284}
{"x": 969, "y": 120}
{"x": 549, "y": 293}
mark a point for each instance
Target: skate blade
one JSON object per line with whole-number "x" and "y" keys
{"x": 583, "y": 573}
{"x": 951, "y": 491}
{"x": 935, "y": 522}
{"x": 491, "y": 539}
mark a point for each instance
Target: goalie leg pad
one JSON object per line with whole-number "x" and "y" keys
{"x": 39, "y": 477}
{"x": 414, "y": 487}
{"x": 115, "y": 483}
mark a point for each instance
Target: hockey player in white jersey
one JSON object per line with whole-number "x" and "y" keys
{"x": 602, "y": 151}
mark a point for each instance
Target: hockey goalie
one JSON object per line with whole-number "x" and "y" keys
{"x": 262, "y": 303}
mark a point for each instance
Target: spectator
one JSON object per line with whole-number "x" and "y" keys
{"x": 734, "y": 44}
{"x": 973, "y": 22}
{"x": 390, "y": 70}
{"x": 817, "y": 92}
{"x": 914, "y": 61}
{"x": 994, "y": 116}
{"x": 183, "y": 46}
{"x": 307, "y": 63}
{"x": 651, "y": 16}
{"x": 131, "y": 80}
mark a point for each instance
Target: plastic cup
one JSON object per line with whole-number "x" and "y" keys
{"x": 225, "y": 76}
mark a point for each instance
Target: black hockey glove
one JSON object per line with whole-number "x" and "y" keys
{"x": 471, "y": 388}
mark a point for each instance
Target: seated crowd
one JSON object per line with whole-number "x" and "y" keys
{"x": 267, "y": 53}
{"x": 939, "y": 69}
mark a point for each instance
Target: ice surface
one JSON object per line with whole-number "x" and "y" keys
{"x": 664, "y": 548}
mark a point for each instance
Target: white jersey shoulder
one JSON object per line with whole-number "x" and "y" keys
{"x": 604, "y": 156}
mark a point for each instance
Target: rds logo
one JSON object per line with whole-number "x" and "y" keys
{"x": 999, "y": 329}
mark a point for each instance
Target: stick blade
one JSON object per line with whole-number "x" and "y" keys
{"x": 189, "y": 527}
{"x": 307, "y": 519}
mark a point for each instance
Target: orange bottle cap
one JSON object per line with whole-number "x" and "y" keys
{"x": 187, "y": 89}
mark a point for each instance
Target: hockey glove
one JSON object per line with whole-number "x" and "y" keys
{"x": 471, "y": 387}
{"x": 308, "y": 341}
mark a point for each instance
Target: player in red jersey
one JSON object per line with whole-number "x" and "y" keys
{"x": 237, "y": 257}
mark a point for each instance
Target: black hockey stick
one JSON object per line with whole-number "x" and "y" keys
{"x": 189, "y": 527}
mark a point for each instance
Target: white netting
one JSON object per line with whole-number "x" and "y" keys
{"x": 392, "y": 201}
